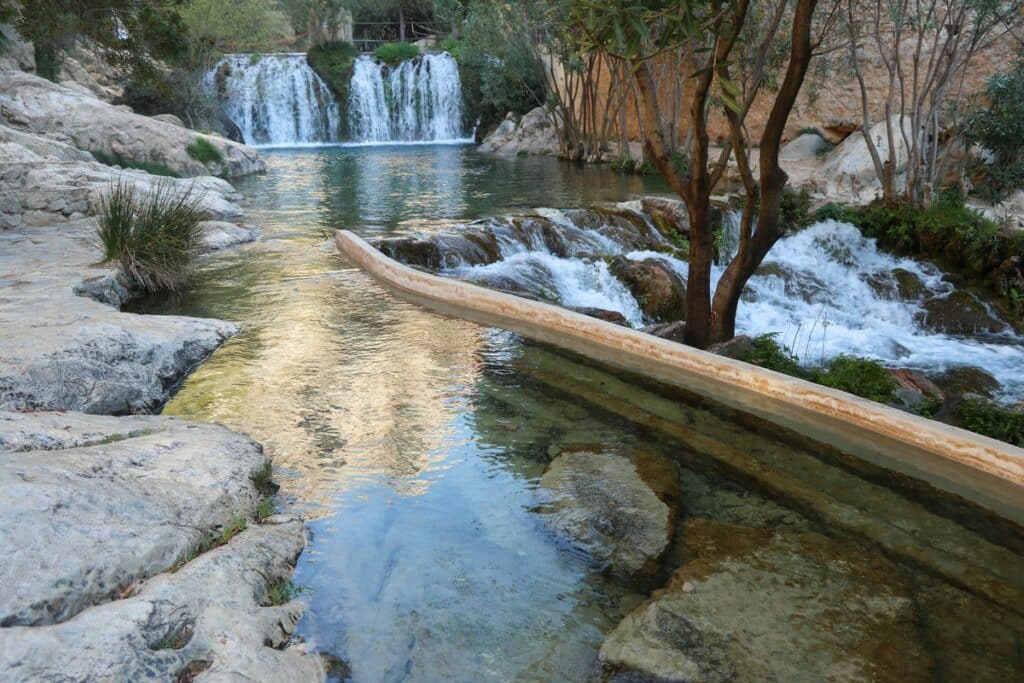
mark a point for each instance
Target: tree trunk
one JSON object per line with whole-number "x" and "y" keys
{"x": 755, "y": 247}
{"x": 401, "y": 24}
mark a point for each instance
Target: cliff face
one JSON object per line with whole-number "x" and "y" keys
{"x": 829, "y": 101}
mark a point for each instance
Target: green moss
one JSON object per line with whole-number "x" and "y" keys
{"x": 766, "y": 352}
{"x": 395, "y": 53}
{"x": 993, "y": 420}
{"x": 204, "y": 151}
{"x": 114, "y": 159}
{"x": 860, "y": 376}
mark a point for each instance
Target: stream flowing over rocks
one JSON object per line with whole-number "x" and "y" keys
{"x": 814, "y": 291}
{"x": 110, "y": 525}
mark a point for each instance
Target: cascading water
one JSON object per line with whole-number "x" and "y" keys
{"x": 275, "y": 100}
{"x": 826, "y": 290}
{"x": 420, "y": 100}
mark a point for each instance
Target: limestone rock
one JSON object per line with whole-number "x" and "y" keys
{"x": 620, "y": 510}
{"x": 660, "y": 292}
{"x": 837, "y": 130}
{"x": 740, "y": 346}
{"x": 15, "y": 53}
{"x": 535, "y": 134}
{"x": 959, "y": 313}
{"x": 852, "y": 160}
{"x": 756, "y": 605}
{"x": 45, "y": 184}
{"x": 222, "y": 234}
{"x": 171, "y": 119}
{"x": 61, "y": 351}
{"x": 122, "y": 498}
{"x": 804, "y": 148}
{"x": 209, "y": 619}
{"x": 602, "y": 314}
{"x": 32, "y": 104}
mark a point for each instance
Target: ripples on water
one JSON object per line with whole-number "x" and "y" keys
{"x": 414, "y": 441}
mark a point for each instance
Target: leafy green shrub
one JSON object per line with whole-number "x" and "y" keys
{"x": 115, "y": 159}
{"x": 998, "y": 128}
{"x": 991, "y": 419}
{"x": 859, "y": 376}
{"x": 395, "y": 53}
{"x": 152, "y": 236}
{"x": 204, "y": 151}
{"x": 795, "y": 208}
{"x": 766, "y": 352}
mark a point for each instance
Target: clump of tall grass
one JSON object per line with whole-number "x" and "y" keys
{"x": 152, "y": 235}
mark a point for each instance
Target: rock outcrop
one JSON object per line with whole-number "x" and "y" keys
{"x": 959, "y": 312}
{"x": 705, "y": 627}
{"x": 536, "y": 133}
{"x": 97, "y": 511}
{"x": 35, "y": 105}
{"x": 618, "y": 509}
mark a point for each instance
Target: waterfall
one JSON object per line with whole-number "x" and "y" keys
{"x": 275, "y": 100}
{"x": 420, "y": 100}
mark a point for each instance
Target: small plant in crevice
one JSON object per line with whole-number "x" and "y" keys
{"x": 204, "y": 151}
{"x": 152, "y": 235}
{"x": 859, "y": 376}
{"x": 284, "y": 591}
{"x": 263, "y": 478}
{"x": 264, "y": 509}
{"x": 175, "y": 639}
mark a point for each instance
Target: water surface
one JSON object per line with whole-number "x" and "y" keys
{"x": 414, "y": 441}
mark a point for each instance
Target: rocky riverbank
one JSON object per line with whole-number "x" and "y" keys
{"x": 135, "y": 547}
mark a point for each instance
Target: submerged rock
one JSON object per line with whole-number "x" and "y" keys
{"x": 660, "y": 293}
{"x": 899, "y": 284}
{"x": 959, "y": 313}
{"x": 756, "y": 605}
{"x": 621, "y": 510}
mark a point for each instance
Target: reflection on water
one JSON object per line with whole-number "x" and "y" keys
{"x": 414, "y": 441}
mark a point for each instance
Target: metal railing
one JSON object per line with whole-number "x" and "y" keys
{"x": 368, "y": 35}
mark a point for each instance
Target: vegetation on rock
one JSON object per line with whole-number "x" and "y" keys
{"x": 115, "y": 159}
{"x": 152, "y": 236}
{"x": 998, "y": 128}
{"x": 205, "y": 152}
{"x": 859, "y": 376}
{"x": 333, "y": 62}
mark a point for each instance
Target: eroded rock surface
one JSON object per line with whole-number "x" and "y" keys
{"x": 619, "y": 509}
{"x": 759, "y": 605}
{"x": 62, "y": 351}
{"x": 660, "y": 292}
{"x": 77, "y": 117}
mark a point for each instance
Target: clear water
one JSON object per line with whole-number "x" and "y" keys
{"x": 414, "y": 442}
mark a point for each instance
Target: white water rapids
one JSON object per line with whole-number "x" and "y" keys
{"x": 275, "y": 100}
{"x": 813, "y": 292}
{"x": 420, "y": 100}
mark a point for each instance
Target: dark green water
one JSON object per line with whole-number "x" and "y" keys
{"x": 414, "y": 443}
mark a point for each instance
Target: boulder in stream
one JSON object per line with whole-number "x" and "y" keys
{"x": 959, "y": 313}
{"x": 967, "y": 379}
{"x": 659, "y": 291}
{"x": 619, "y": 509}
{"x": 760, "y": 605}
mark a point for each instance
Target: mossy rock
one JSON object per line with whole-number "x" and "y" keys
{"x": 959, "y": 313}
{"x": 967, "y": 379}
{"x": 660, "y": 293}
